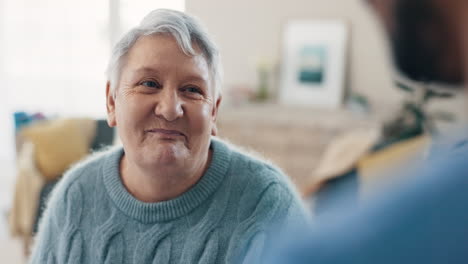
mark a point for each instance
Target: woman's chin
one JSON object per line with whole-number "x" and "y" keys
{"x": 166, "y": 153}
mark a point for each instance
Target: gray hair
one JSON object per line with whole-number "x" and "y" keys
{"x": 184, "y": 28}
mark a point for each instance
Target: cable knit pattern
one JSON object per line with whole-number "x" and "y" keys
{"x": 227, "y": 217}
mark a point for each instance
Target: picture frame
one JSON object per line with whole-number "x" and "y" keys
{"x": 313, "y": 63}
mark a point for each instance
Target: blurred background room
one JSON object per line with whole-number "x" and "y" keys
{"x": 308, "y": 84}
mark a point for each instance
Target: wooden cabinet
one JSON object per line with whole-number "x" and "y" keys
{"x": 292, "y": 138}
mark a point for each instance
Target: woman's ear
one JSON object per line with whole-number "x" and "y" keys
{"x": 214, "y": 116}
{"x": 214, "y": 130}
{"x": 110, "y": 105}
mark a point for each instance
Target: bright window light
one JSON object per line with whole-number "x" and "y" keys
{"x": 131, "y": 14}
{"x": 53, "y": 55}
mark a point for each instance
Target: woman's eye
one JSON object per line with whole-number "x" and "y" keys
{"x": 193, "y": 90}
{"x": 151, "y": 84}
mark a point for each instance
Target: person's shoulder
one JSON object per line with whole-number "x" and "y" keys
{"x": 85, "y": 171}
{"x": 253, "y": 165}
{"x": 257, "y": 177}
{"x": 72, "y": 188}
{"x": 264, "y": 195}
{"x": 451, "y": 143}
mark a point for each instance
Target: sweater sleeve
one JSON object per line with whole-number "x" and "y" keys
{"x": 297, "y": 215}
{"x": 278, "y": 210}
{"x": 45, "y": 242}
{"x": 58, "y": 239}
{"x": 291, "y": 213}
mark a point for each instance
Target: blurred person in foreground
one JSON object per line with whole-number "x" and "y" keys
{"x": 173, "y": 193}
{"x": 425, "y": 218}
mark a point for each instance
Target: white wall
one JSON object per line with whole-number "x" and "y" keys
{"x": 249, "y": 29}
{"x": 6, "y": 121}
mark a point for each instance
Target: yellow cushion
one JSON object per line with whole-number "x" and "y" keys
{"x": 390, "y": 163}
{"x": 341, "y": 156}
{"x": 59, "y": 143}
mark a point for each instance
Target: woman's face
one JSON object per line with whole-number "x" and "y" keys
{"x": 164, "y": 107}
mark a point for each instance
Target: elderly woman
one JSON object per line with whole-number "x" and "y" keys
{"x": 173, "y": 193}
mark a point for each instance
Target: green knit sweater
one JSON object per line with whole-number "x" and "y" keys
{"x": 225, "y": 218}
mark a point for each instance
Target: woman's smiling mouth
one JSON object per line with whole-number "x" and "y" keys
{"x": 166, "y": 133}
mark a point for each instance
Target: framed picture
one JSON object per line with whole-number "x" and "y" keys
{"x": 313, "y": 68}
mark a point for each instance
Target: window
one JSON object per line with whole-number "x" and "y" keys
{"x": 53, "y": 55}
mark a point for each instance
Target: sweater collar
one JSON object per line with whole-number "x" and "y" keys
{"x": 171, "y": 209}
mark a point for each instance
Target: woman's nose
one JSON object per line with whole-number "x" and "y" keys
{"x": 169, "y": 105}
